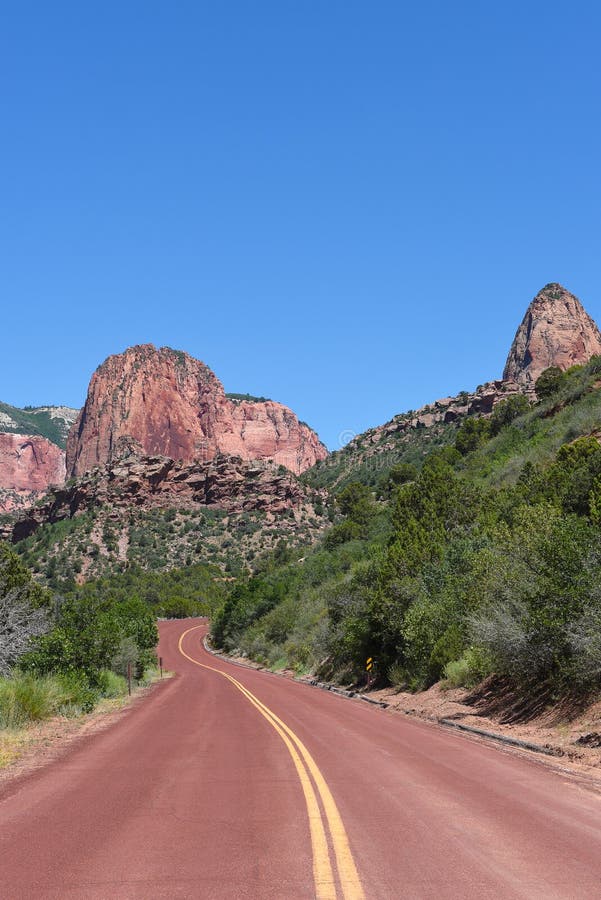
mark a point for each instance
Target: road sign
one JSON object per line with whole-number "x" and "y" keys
{"x": 369, "y": 664}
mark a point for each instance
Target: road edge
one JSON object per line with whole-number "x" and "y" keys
{"x": 545, "y": 755}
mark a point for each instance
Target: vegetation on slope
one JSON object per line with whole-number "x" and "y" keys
{"x": 370, "y": 457}
{"x": 100, "y": 543}
{"x": 486, "y": 560}
{"x": 44, "y": 420}
{"x": 247, "y": 398}
{"x": 60, "y": 654}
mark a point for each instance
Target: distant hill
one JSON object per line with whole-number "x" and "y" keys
{"x": 51, "y": 422}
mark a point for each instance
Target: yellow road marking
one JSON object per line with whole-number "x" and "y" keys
{"x": 325, "y": 886}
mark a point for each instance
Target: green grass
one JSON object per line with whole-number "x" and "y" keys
{"x": 536, "y": 436}
{"x": 26, "y": 699}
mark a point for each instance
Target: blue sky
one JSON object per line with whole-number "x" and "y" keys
{"x": 345, "y": 206}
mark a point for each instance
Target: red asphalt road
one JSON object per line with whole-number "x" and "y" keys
{"x": 194, "y": 794}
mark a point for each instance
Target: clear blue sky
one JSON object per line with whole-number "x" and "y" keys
{"x": 345, "y": 206}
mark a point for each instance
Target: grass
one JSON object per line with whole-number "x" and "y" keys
{"x": 534, "y": 437}
{"x": 37, "y": 713}
{"x": 26, "y": 699}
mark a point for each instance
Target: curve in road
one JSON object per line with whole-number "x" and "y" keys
{"x": 311, "y": 780}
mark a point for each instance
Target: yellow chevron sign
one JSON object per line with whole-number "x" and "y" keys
{"x": 369, "y": 664}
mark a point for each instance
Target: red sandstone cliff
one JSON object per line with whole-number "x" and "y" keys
{"x": 164, "y": 402}
{"x": 29, "y": 464}
{"x": 556, "y": 331}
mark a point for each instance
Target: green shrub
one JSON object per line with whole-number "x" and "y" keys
{"x": 397, "y": 676}
{"x": 471, "y": 667}
{"x": 506, "y": 411}
{"x": 37, "y": 698}
{"x": 549, "y": 382}
{"x": 457, "y": 673}
{"x": 448, "y": 646}
{"x": 25, "y": 699}
{"x": 111, "y": 685}
{"x": 473, "y": 434}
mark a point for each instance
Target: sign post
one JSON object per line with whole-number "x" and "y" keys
{"x": 370, "y": 667}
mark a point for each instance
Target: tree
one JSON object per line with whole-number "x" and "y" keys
{"x": 549, "y": 382}
{"x": 24, "y": 609}
{"x": 19, "y": 624}
{"x": 473, "y": 434}
{"x": 401, "y": 473}
{"x": 355, "y": 502}
{"x": 506, "y": 411}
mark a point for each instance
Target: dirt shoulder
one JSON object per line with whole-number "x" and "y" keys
{"x": 556, "y": 729}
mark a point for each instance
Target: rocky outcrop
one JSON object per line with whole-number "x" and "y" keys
{"x": 556, "y": 331}
{"x": 29, "y": 464}
{"x": 225, "y": 483}
{"x": 164, "y": 402}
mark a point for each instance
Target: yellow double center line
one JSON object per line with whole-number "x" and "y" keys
{"x": 311, "y": 781}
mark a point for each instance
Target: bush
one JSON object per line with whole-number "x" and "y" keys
{"x": 549, "y": 382}
{"x": 446, "y": 649}
{"x": 78, "y": 694}
{"x": 111, "y": 685}
{"x": 126, "y": 656}
{"x": 471, "y": 667}
{"x": 399, "y": 474}
{"x": 28, "y": 699}
{"x": 584, "y": 637}
{"x": 473, "y": 434}
{"x": 506, "y": 411}
{"x": 397, "y": 676}
{"x": 25, "y": 698}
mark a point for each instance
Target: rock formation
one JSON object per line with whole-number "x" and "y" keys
{"x": 29, "y": 464}
{"x": 556, "y": 331}
{"x": 164, "y": 402}
{"x": 227, "y": 483}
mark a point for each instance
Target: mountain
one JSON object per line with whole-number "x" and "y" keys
{"x": 161, "y": 401}
{"x": 29, "y": 465}
{"x": 157, "y": 513}
{"x": 51, "y": 422}
{"x": 556, "y": 331}
{"x": 32, "y": 451}
{"x": 164, "y": 469}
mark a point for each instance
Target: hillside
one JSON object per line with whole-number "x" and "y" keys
{"x": 154, "y": 513}
{"x": 556, "y": 331}
{"x": 405, "y": 439}
{"x": 51, "y": 422}
{"x": 480, "y": 562}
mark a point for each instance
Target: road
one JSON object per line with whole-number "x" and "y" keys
{"x": 231, "y": 783}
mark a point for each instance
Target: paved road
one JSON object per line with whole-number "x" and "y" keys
{"x": 231, "y": 783}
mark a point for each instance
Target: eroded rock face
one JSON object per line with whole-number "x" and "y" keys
{"x": 556, "y": 331}
{"x": 164, "y": 402}
{"x": 226, "y": 482}
{"x": 29, "y": 464}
